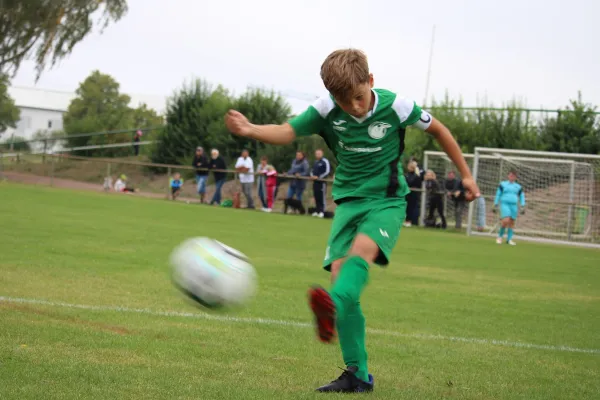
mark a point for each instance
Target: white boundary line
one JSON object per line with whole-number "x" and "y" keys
{"x": 295, "y": 324}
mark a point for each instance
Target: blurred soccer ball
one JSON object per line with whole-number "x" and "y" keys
{"x": 212, "y": 274}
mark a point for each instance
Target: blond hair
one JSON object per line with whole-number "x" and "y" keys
{"x": 344, "y": 70}
{"x": 430, "y": 175}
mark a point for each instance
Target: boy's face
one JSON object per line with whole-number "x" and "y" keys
{"x": 358, "y": 102}
{"x": 512, "y": 177}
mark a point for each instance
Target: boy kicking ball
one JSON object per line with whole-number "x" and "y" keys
{"x": 365, "y": 128}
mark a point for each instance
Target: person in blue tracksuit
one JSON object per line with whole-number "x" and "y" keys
{"x": 509, "y": 195}
{"x": 321, "y": 170}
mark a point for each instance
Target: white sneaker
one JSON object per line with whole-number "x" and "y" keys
{"x": 265, "y": 209}
{"x": 320, "y": 215}
{"x": 511, "y": 243}
{"x": 407, "y": 224}
{"x": 498, "y": 240}
{"x": 269, "y": 209}
{"x": 314, "y": 214}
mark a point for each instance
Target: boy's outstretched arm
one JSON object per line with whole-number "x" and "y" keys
{"x": 239, "y": 125}
{"x": 448, "y": 143}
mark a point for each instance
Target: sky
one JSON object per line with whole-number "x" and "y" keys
{"x": 487, "y": 52}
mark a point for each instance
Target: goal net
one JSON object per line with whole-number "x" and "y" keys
{"x": 562, "y": 193}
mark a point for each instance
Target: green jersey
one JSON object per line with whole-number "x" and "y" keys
{"x": 367, "y": 149}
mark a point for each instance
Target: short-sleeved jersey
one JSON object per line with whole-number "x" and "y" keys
{"x": 509, "y": 193}
{"x": 368, "y": 149}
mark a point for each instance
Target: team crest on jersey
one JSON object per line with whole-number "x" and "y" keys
{"x": 377, "y": 130}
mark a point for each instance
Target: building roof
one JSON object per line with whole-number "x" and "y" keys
{"x": 55, "y": 100}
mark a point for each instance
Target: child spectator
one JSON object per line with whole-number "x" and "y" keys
{"x": 176, "y": 182}
{"x": 435, "y": 199}
{"x": 121, "y": 185}
{"x": 271, "y": 184}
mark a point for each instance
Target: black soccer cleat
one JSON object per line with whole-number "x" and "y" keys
{"x": 348, "y": 383}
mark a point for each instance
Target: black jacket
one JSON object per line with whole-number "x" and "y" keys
{"x": 433, "y": 189}
{"x": 452, "y": 185}
{"x": 414, "y": 181}
{"x": 218, "y": 163}
{"x": 201, "y": 162}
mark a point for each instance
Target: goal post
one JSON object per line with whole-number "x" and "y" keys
{"x": 562, "y": 193}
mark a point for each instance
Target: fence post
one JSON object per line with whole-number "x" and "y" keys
{"x": 52, "y": 171}
{"x": 168, "y": 177}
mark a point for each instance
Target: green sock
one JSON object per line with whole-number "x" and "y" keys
{"x": 510, "y": 234}
{"x": 350, "y": 321}
{"x": 501, "y": 233}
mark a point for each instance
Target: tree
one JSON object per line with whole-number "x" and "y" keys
{"x": 100, "y": 107}
{"x": 50, "y": 29}
{"x": 194, "y": 117}
{"x": 9, "y": 112}
{"x": 576, "y": 130}
{"x": 265, "y": 107}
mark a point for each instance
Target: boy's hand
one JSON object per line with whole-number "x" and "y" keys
{"x": 471, "y": 189}
{"x": 238, "y": 124}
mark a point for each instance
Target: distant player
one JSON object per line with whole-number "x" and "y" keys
{"x": 509, "y": 194}
{"x": 365, "y": 129}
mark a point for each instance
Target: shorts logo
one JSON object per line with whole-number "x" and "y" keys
{"x": 377, "y": 130}
{"x": 384, "y": 233}
{"x": 327, "y": 253}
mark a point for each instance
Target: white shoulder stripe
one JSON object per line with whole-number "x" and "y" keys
{"x": 403, "y": 107}
{"x": 324, "y": 105}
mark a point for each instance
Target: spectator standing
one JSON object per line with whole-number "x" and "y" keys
{"x": 261, "y": 179}
{"x": 321, "y": 170}
{"x": 200, "y": 162}
{"x": 245, "y": 167}
{"x": 136, "y": 142}
{"x": 456, "y": 192}
{"x": 217, "y": 164}
{"x": 299, "y": 169}
{"x": 434, "y": 198}
{"x": 271, "y": 184}
{"x": 414, "y": 181}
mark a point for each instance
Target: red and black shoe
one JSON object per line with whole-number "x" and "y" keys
{"x": 323, "y": 307}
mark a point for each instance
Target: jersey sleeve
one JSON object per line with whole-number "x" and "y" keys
{"x": 410, "y": 114}
{"x": 498, "y": 194}
{"x": 312, "y": 120}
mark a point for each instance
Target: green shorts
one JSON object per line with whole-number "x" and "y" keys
{"x": 379, "y": 219}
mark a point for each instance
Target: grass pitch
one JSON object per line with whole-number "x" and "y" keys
{"x": 87, "y": 309}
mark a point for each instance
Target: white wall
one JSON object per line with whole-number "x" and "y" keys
{"x": 33, "y": 120}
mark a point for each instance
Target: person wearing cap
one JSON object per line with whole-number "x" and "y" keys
{"x": 200, "y": 162}
{"x": 121, "y": 185}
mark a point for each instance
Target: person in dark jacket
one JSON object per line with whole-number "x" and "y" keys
{"x": 321, "y": 170}
{"x": 414, "y": 181}
{"x": 434, "y": 199}
{"x": 456, "y": 192}
{"x": 299, "y": 169}
{"x": 136, "y": 142}
{"x": 217, "y": 164}
{"x": 200, "y": 162}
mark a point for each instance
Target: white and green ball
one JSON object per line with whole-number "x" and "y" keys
{"x": 213, "y": 274}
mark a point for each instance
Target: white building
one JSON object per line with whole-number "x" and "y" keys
{"x": 42, "y": 110}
